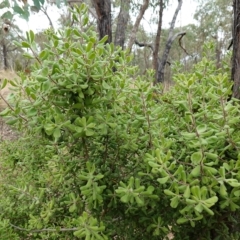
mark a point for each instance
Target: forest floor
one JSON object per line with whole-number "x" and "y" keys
{"x": 6, "y": 132}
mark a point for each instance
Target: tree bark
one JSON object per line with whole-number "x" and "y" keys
{"x": 236, "y": 50}
{"x": 5, "y": 58}
{"x": 157, "y": 39}
{"x": 123, "y": 17}
{"x": 137, "y": 23}
{"x": 171, "y": 38}
{"x": 104, "y": 21}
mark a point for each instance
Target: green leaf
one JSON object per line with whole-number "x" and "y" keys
{"x": 208, "y": 210}
{"x": 212, "y": 156}
{"x": 188, "y": 136}
{"x": 211, "y": 170}
{"x": 201, "y": 128}
{"x": 233, "y": 182}
{"x": 105, "y": 85}
{"x": 223, "y": 190}
{"x": 7, "y": 15}
{"x": 187, "y": 192}
{"x": 5, "y": 112}
{"x": 85, "y": 20}
{"x": 4, "y": 4}
{"x": 139, "y": 201}
{"x": 103, "y": 40}
{"x": 199, "y": 207}
{"x": 196, "y": 158}
{"x": 18, "y": 9}
{"x": 37, "y": 4}
{"x": 168, "y": 192}
{"x": 57, "y": 134}
{"x": 236, "y": 193}
{"x": 4, "y": 83}
{"x": 18, "y": 44}
{"x": 210, "y": 201}
{"x": 182, "y": 220}
{"x": 12, "y": 121}
{"x": 72, "y": 208}
{"x": 174, "y": 202}
{"x": 196, "y": 171}
{"x": 125, "y": 198}
{"x": 46, "y": 86}
{"x": 31, "y": 36}
{"x": 89, "y": 132}
{"x": 163, "y": 180}
{"x": 26, "y": 45}
{"x": 44, "y": 54}
{"x": 196, "y": 191}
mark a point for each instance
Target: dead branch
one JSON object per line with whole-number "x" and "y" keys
{"x": 180, "y": 43}
{"x": 144, "y": 44}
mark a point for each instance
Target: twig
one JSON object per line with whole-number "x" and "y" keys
{"x": 44, "y": 229}
{"x": 1, "y": 96}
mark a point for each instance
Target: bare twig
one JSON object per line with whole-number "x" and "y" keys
{"x": 44, "y": 10}
{"x": 44, "y": 229}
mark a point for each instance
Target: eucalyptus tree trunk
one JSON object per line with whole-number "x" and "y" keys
{"x": 236, "y": 50}
{"x": 157, "y": 39}
{"x": 171, "y": 38}
{"x": 123, "y": 17}
{"x": 104, "y": 21}
{"x": 134, "y": 30}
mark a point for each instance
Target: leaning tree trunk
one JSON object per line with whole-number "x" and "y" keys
{"x": 134, "y": 30}
{"x": 120, "y": 35}
{"x": 236, "y": 50}
{"x": 171, "y": 38}
{"x": 104, "y": 21}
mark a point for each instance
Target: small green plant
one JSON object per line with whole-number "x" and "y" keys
{"x": 103, "y": 157}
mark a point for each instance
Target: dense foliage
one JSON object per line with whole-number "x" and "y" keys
{"x": 103, "y": 155}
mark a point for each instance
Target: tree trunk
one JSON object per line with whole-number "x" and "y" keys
{"x": 104, "y": 21}
{"x": 171, "y": 38}
{"x": 157, "y": 39}
{"x": 4, "y": 51}
{"x": 137, "y": 23}
{"x": 123, "y": 18}
{"x": 236, "y": 49}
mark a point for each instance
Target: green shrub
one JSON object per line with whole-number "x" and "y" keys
{"x": 104, "y": 157}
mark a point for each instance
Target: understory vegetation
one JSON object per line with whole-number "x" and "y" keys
{"x": 103, "y": 154}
